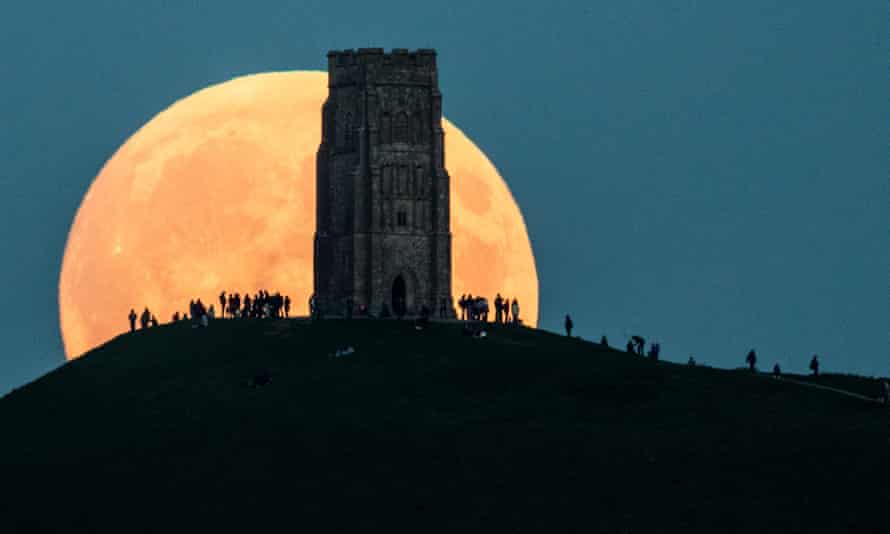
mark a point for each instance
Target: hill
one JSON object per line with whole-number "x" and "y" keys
{"x": 521, "y": 431}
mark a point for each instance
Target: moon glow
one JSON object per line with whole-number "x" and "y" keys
{"x": 218, "y": 192}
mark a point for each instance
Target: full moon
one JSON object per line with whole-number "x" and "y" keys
{"x": 217, "y": 192}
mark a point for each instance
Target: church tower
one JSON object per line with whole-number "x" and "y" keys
{"x": 382, "y": 234}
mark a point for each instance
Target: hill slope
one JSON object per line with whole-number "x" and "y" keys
{"x": 523, "y": 431}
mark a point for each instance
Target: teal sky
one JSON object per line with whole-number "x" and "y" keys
{"x": 713, "y": 175}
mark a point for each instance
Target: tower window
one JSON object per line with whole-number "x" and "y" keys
{"x": 402, "y": 219}
{"x": 401, "y": 133}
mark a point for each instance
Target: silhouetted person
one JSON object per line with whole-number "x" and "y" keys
{"x": 462, "y": 304}
{"x": 286, "y": 307}
{"x": 515, "y": 310}
{"x": 569, "y": 324}
{"x": 506, "y": 311}
{"x": 654, "y": 350}
{"x": 153, "y": 321}
{"x": 691, "y": 362}
{"x": 751, "y": 360}
{"x": 498, "y": 308}
{"x": 222, "y": 305}
{"x": 630, "y": 346}
{"x": 132, "y": 318}
{"x": 176, "y": 317}
{"x": 640, "y": 344}
{"x": 604, "y": 342}
{"x": 145, "y": 319}
{"x": 814, "y": 365}
{"x": 777, "y": 371}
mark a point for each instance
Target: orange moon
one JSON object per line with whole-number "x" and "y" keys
{"x": 217, "y": 192}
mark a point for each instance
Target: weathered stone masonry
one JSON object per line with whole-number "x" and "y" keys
{"x": 383, "y": 234}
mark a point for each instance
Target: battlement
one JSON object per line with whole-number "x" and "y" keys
{"x": 374, "y": 56}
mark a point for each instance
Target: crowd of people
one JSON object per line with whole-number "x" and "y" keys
{"x": 265, "y": 305}
{"x": 260, "y": 306}
{"x": 472, "y": 308}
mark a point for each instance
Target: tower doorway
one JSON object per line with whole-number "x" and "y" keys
{"x": 399, "y": 293}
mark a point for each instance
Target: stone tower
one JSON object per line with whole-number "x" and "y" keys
{"x": 382, "y": 234}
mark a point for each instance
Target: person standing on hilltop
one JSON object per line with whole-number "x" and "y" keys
{"x": 814, "y": 365}
{"x": 777, "y": 371}
{"x": 145, "y": 318}
{"x": 515, "y": 310}
{"x": 506, "y": 311}
{"x": 132, "y": 318}
{"x": 640, "y": 344}
{"x": 569, "y": 324}
{"x": 604, "y": 342}
{"x": 498, "y": 308}
{"x": 751, "y": 360}
{"x": 222, "y": 305}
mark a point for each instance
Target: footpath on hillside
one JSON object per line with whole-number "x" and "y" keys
{"x": 832, "y": 389}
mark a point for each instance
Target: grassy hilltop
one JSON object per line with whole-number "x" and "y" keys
{"x": 524, "y": 431}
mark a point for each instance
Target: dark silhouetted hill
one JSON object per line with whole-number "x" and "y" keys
{"x": 524, "y": 431}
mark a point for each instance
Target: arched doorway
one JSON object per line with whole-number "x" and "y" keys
{"x": 399, "y": 294}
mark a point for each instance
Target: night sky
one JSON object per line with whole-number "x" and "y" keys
{"x": 711, "y": 175}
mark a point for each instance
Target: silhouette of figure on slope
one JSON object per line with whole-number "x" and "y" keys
{"x": 751, "y": 360}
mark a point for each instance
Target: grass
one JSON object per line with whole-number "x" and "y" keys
{"x": 524, "y": 431}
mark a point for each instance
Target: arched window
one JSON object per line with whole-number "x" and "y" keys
{"x": 401, "y": 132}
{"x": 418, "y": 182}
{"x": 417, "y": 129}
{"x": 386, "y": 128}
